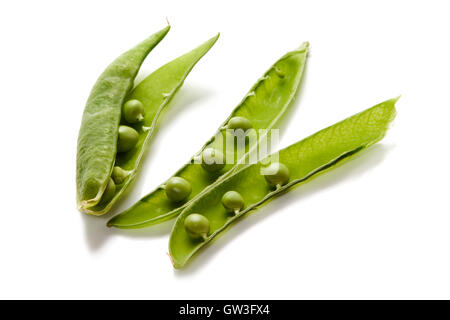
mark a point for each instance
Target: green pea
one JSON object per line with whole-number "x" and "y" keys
{"x": 239, "y": 123}
{"x": 133, "y": 111}
{"x": 278, "y": 174}
{"x": 128, "y": 137}
{"x": 119, "y": 175}
{"x": 233, "y": 201}
{"x": 177, "y": 189}
{"x": 109, "y": 192}
{"x": 213, "y": 160}
{"x": 197, "y": 226}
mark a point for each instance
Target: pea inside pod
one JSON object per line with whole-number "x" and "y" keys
{"x": 127, "y": 139}
{"x": 110, "y": 190}
{"x": 233, "y": 201}
{"x": 133, "y": 136}
{"x": 177, "y": 189}
{"x": 213, "y": 160}
{"x": 262, "y": 107}
{"x": 276, "y": 174}
{"x": 304, "y": 160}
{"x": 242, "y": 123}
{"x": 133, "y": 111}
{"x": 119, "y": 175}
{"x": 197, "y": 226}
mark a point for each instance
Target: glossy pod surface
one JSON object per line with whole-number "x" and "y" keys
{"x": 97, "y": 139}
{"x": 265, "y": 104}
{"x": 304, "y": 159}
{"x": 154, "y": 92}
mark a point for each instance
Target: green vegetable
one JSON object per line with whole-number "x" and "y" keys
{"x": 109, "y": 191}
{"x": 276, "y": 174}
{"x": 127, "y": 139}
{"x": 119, "y": 175}
{"x": 177, "y": 189}
{"x": 233, "y": 201}
{"x": 239, "y": 123}
{"x": 265, "y": 104}
{"x": 133, "y": 111}
{"x": 154, "y": 92}
{"x": 213, "y": 160}
{"x": 196, "y": 226}
{"x": 97, "y": 140}
{"x": 305, "y": 160}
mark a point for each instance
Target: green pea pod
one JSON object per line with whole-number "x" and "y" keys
{"x": 304, "y": 160}
{"x": 265, "y": 104}
{"x": 97, "y": 139}
{"x": 154, "y": 92}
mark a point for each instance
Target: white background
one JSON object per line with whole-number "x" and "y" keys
{"x": 377, "y": 227}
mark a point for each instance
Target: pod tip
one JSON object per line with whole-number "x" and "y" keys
{"x": 216, "y": 37}
{"x": 304, "y": 46}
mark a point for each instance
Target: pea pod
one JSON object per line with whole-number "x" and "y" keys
{"x": 97, "y": 159}
{"x": 99, "y": 127}
{"x": 265, "y": 104}
{"x": 302, "y": 161}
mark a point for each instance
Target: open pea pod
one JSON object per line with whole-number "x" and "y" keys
{"x": 97, "y": 160}
{"x": 252, "y": 186}
{"x": 262, "y": 108}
